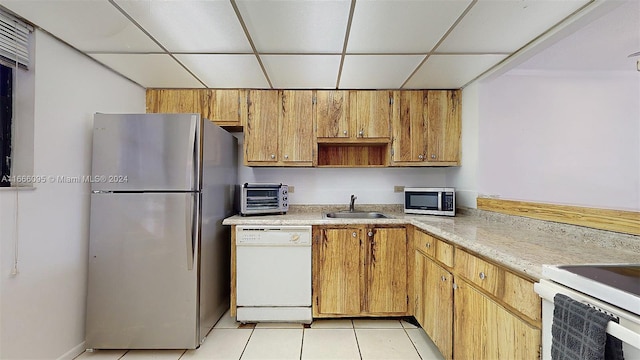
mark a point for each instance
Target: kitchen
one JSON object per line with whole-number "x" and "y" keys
{"x": 43, "y": 305}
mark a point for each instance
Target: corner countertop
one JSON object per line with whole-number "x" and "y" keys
{"x": 521, "y": 244}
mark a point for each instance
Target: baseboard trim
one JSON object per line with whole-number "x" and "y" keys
{"x": 73, "y": 353}
{"x": 627, "y": 222}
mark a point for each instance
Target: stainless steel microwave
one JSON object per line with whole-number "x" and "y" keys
{"x": 430, "y": 201}
{"x": 263, "y": 198}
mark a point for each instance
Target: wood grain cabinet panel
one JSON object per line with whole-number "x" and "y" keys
{"x": 483, "y": 329}
{"x": 426, "y": 128}
{"x": 360, "y": 272}
{"x": 332, "y": 116}
{"x": 434, "y": 302}
{"x": 371, "y": 113}
{"x": 337, "y": 280}
{"x": 296, "y": 128}
{"x": 261, "y": 130}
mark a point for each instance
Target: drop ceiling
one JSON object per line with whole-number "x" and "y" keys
{"x": 297, "y": 44}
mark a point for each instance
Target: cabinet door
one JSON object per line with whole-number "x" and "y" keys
{"x": 443, "y": 125}
{"x": 437, "y": 299}
{"x": 485, "y": 330}
{"x": 372, "y": 113}
{"x": 296, "y": 128}
{"x": 221, "y": 106}
{"x": 173, "y": 101}
{"x": 386, "y": 271}
{"x": 261, "y": 133}
{"x": 338, "y": 286}
{"x": 409, "y": 126}
{"x": 331, "y": 114}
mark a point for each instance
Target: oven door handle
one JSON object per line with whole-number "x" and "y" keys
{"x": 548, "y": 291}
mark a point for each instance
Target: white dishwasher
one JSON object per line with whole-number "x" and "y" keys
{"x": 273, "y": 273}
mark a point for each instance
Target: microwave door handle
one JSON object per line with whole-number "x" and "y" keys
{"x": 440, "y": 200}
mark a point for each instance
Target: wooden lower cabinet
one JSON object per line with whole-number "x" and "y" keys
{"x": 360, "y": 271}
{"x": 486, "y": 330}
{"x": 434, "y": 302}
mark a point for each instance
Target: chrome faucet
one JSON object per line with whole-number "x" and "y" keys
{"x": 352, "y": 203}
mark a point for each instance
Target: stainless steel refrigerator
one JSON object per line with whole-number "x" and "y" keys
{"x": 161, "y": 185}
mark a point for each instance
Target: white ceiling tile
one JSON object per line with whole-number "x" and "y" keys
{"x": 86, "y": 25}
{"x": 190, "y": 26}
{"x": 377, "y": 71}
{"x": 296, "y": 26}
{"x": 506, "y": 25}
{"x": 401, "y": 26}
{"x": 226, "y": 71}
{"x": 451, "y": 71}
{"x": 150, "y": 70}
{"x": 302, "y": 71}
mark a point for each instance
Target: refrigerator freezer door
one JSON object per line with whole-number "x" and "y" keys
{"x": 145, "y": 152}
{"x": 142, "y": 289}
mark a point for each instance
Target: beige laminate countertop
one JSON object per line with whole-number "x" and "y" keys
{"x": 520, "y": 244}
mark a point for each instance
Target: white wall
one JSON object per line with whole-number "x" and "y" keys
{"x": 562, "y": 137}
{"x": 43, "y": 306}
{"x": 464, "y": 178}
{"x": 335, "y": 185}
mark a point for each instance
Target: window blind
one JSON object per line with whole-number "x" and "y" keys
{"x": 14, "y": 40}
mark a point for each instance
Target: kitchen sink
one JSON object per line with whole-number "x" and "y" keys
{"x": 355, "y": 215}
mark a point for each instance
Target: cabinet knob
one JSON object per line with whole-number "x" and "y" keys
{"x": 427, "y": 245}
{"x": 273, "y": 156}
{"x": 420, "y": 156}
{"x": 361, "y": 132}
{"x": 370, "y": 233}
{"x": 443, "y": 278}
{"x": 433, "y": 156}
{"x": 344, "y": 132}
{"x": 354, "y": 234}
{"x": 286, "y": 156}
{"x": 482, "y": 275}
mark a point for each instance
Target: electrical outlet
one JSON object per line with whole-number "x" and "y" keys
{"x": 292, "y": 189}
{"x": 398, "y": 188}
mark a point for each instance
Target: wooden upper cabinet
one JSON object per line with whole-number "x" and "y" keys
{"x": 332, "y": 117}
{"x": 279, "y": 128}
{"x": 409, "y": 126}
{"x": 296, "y": 127}
{"x": 443, "y": 125}
{"x": 223, "y": 107}
{"x": 370, "y": 111}
{"x": 261, "y": 129}
{"x": 426, "y": 128}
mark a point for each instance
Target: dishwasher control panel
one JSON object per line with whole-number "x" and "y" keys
{"x": 285, "y": 235}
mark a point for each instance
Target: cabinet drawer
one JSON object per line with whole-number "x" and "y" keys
{"x": 519, "y": 293}
{"x": 486, "y": 275}
{"x": 434, "y": 248}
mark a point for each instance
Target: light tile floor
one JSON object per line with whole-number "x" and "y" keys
{"x": 365, "y": 339}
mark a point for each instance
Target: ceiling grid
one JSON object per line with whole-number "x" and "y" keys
{"x": 312, "y": 44}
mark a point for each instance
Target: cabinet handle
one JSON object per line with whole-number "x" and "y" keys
{"x": 354, "y": 234}
{"x": 482, "y": 275}
{"x": 361, "y": 132}
{"x": 345, "y": 132}
{"x": 420, "y": 156}
{"x": 443, "y": 278}
{"x": 427, "y": 245}
{"x": 286, "y": 156}
{"x": 370, "y": 233}
{"x": 433, "y": 156}
{"x": 273, "y": 156}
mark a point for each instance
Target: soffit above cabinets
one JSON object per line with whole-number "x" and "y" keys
{"x": 312, "y": 44}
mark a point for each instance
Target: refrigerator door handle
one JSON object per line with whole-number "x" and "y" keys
{"x": 193, "y": 178}
{"x": 191, "y": 225}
